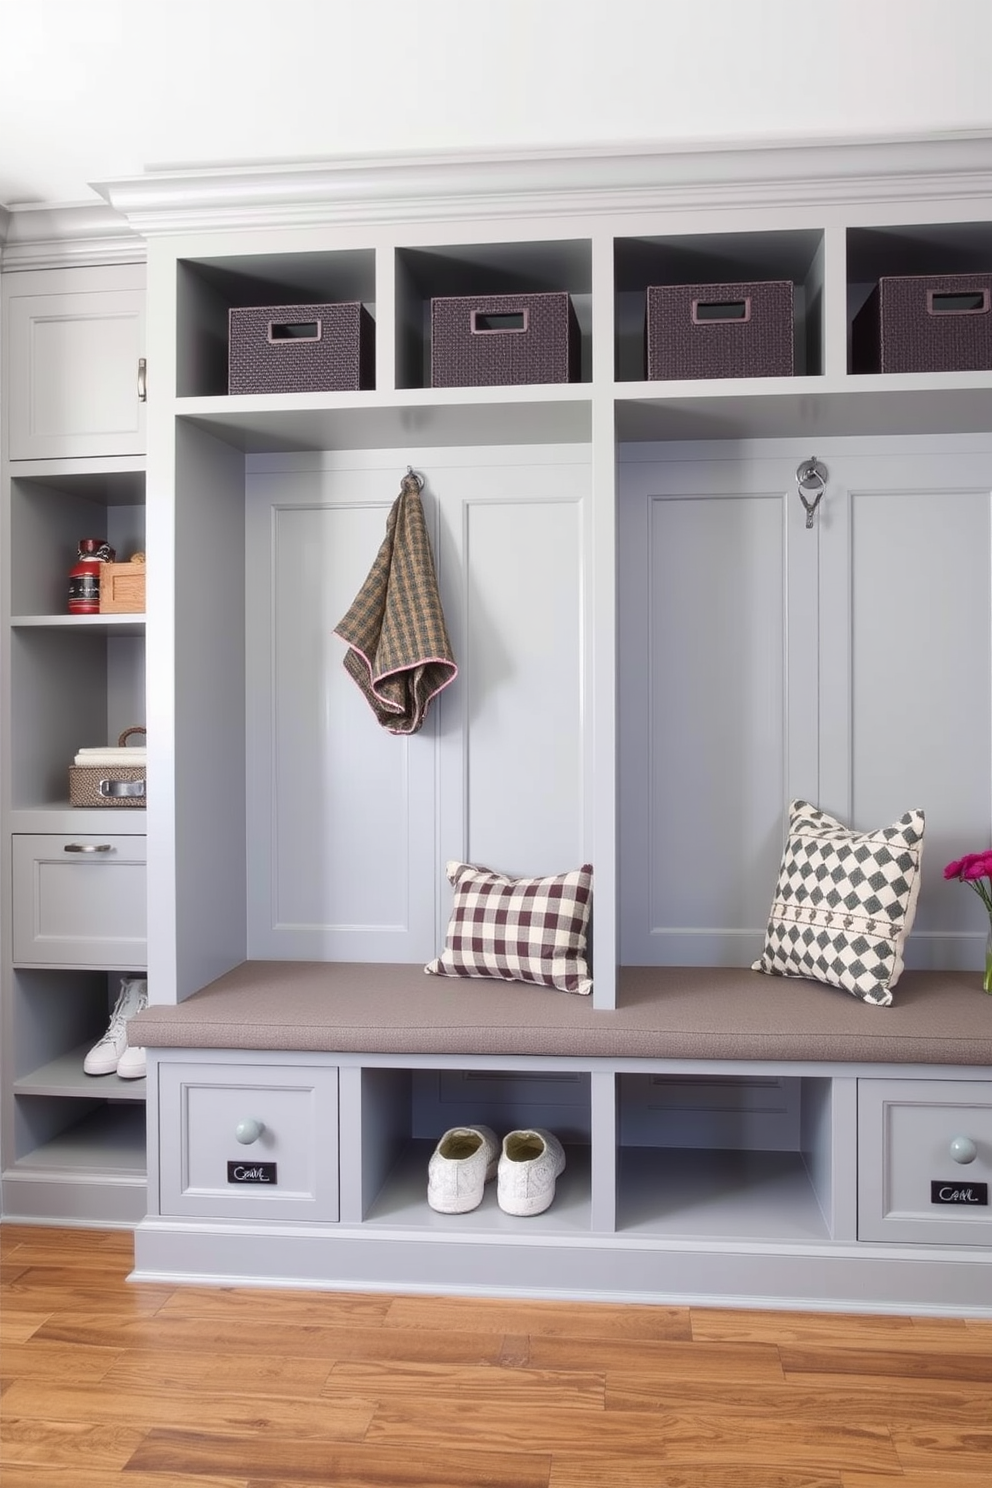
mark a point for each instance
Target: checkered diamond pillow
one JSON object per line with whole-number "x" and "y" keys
{"x": 518, "y": 929}
{"x": 845, "y": 903}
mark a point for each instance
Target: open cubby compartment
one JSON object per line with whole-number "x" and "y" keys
{"x": 85, "y": 1137}
{"x": 423, "y": 274}
{"x": 57, "y": 1017}
{"x": 930, "y": 248}
{"x": 73, "y": 686}
{"x": 207, "y": 288}
{"x": 718, "y": 258}
{"x": 404, "y": 1113}
{"x": 50, "y": 513}
{"x": 724, "y": 1156}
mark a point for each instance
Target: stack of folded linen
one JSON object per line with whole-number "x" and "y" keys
{"x": 110, "y": 755}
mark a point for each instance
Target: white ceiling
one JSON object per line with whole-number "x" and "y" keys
{"x": 91, "y": 90}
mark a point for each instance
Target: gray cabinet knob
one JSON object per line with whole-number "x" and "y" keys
{"x": 249, "y": 1130}
{"x": 963, "y": 1149}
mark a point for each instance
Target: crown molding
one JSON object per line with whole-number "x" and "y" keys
{"x": 49, "y": 237}
{"x": 562, "y": 181}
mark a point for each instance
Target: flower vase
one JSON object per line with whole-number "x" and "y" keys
{"x": 987, "y": 979}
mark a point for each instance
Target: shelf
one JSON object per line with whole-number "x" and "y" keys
{"x": 714, "y": 1195}
{"x": 289, "y": 422}
{"x": 60, "y": 817}
{"x": 65, "y": 1077}
{"x": 110, "y": 1141}
{"x": 402, "y": 1201}
{"x": 110, "y": 625}
{"x": 780, "y": 408}
{"x": 116, "y": 481}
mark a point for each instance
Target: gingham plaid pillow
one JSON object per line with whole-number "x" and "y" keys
{"x": 844, "y": 903}
{"x": 518, "y": 929}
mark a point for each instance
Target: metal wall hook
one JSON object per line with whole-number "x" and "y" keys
{"x": 811, "y": 475}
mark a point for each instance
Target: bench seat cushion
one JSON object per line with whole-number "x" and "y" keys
{"x": 940, "y": 1018}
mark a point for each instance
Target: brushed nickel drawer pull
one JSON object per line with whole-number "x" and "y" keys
{"x": 88, "y": 847}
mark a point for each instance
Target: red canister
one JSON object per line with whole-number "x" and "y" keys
{"x": 84, "y": 575}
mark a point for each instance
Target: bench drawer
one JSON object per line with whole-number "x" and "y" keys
{"x": 925, "y": 1161}
{"x": 248, "y": 1142}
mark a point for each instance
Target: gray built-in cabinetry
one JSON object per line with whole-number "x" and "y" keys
{"x": 655, "y": 655}
{"x": 74, "y": 901}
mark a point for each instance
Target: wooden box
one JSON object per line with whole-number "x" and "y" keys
{"x": 122, "y": 587}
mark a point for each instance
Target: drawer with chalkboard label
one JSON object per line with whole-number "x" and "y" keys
{"x": 925, "y": 1161}
{"x": 249, "y": 1141}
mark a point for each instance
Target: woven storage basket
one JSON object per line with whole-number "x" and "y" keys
{"x": 97, "y": 785}
{"x": 925, "y": 323}
{"x": 720, "y": 330}
{"x": 301, "y": 348}
{"x": 499, "y": 340}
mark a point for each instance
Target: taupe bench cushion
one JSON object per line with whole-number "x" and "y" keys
{"x": 670, "y": 1013}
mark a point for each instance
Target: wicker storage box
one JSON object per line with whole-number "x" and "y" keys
{"x": 497, "y": 340}
{"x": 720, "y": 330}
{"x": 109, "y": 785}
{"x": 301, "y": 348}
{"x": 925, "y": 323}
{"x": 122, "y": 587}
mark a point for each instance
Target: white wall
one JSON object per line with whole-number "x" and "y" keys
{"x": 91, "y": 89}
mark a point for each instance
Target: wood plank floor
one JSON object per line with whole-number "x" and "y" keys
{"x": 102, "y": 1380}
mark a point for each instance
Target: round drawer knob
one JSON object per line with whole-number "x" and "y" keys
{"x": 249, "y": 1130}
{"x": 963, "y": 1150}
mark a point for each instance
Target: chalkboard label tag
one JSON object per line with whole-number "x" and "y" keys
{"x": 958, "y": 1193}
{"x": 259, "y": 1172}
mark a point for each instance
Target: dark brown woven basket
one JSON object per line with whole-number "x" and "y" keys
{"x": 301, "y": 348}
{"x": 496, "y": 340}
{"x": 925, "y": 323}
{"x": 720, "y": 330}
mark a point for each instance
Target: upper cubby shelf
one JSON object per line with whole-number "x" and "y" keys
{"x": 481, "y": 270}
{"x": 935, "y": 249}
{"x": 208, "y": 289}
{"x": 725, "y": 259}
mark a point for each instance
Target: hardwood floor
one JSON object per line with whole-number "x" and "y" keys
{"x": 155, "y": 1386}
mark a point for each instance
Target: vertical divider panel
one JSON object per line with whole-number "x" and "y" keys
{"x": 603, "y": 1154}
{"x": 386, "y": 322}
{"x": 600, "y": 603}
{"x": 834, "y": 318}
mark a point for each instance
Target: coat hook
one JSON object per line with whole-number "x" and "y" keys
{"x": 811, "y": 474}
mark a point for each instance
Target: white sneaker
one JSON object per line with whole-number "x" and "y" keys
{"x": 529, "y": 1165}
{"x": 461, "y": 1165}
{"x": 132, "y": 1064}
{"x": 105, "y": 1055}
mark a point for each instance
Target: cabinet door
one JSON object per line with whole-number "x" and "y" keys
{"x": 74, "y": 379}
{"x": 248, "y": 1142}
{"x": 763, "y": 660}
{"x": 79, "y": 901}
{"x": 925, "y": 1161}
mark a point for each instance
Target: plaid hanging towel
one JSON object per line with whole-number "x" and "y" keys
{"x": 398, "y": 648}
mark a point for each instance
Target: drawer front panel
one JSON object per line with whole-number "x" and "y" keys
{"x": 257, "y": 1142}
{"x": 925, "y": 1161}
{"x": 79, "y": 901}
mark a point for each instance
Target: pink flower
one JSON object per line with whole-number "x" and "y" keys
{"x": 980, "y": 866}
